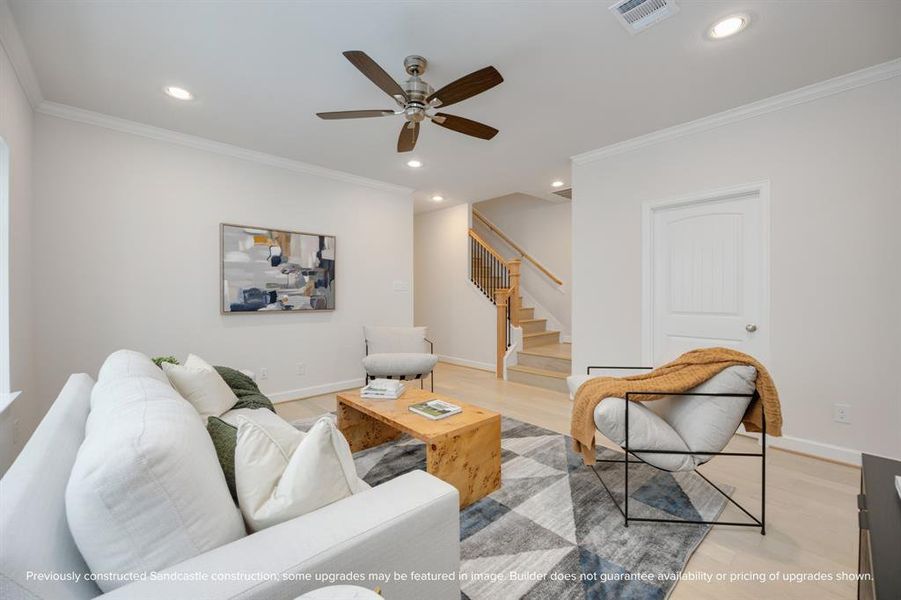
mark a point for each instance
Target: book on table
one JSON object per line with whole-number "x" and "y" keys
{"x": 384, "y": 389}
{"x": 435, "y": 409}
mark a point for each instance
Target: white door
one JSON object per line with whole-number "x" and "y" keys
{"x": 708, "y": 275}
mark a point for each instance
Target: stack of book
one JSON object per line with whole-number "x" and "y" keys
{"x": 383, "y": 389}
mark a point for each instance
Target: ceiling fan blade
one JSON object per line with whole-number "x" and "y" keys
{"x": 374, "y": 73}
{"x": 406, "y": 141}
{"x": 354, "y": 114}
{"x": 467, "y": 86}
{"x": 467, "y": 126}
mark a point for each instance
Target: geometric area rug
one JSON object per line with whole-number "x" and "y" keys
{"x": 551, "y": 530}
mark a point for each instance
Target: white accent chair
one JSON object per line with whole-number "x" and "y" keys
{"x": 677, "y": 432}
{"x": 399, "y": 353}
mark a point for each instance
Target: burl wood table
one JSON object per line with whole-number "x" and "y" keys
{"x": 463, "y": 449}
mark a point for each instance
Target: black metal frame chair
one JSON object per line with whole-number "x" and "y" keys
{"x": 761, "y": 522}
{"x": 420, "y": 376}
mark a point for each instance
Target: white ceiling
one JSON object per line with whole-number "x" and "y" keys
{"x": 575, "y": 80}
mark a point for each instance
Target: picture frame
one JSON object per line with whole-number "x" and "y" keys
{"x": 271, "y": 270}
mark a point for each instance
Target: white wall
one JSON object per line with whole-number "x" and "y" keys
{"x": 833, "y": 164}
{"x": 16, "y": 129}
{"x": 544, "y": 230}
{"x": 126, "y": 255}
{"x": 461, "y": 320}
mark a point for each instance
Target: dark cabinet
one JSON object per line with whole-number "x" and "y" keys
{"x": 879, "y": 515}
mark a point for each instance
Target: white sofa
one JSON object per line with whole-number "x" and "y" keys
{"x": 409, "y": 524}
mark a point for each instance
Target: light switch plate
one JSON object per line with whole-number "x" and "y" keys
{"x": 401, "y": 286}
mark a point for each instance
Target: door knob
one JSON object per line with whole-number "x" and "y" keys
{"x": 750, "y": 327}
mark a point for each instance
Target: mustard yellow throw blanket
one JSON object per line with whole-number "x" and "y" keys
{"x": 681, "y": 375}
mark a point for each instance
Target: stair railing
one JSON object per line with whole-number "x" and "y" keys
{"x": 516, "y": 247}
{"x": 498, "y": 279}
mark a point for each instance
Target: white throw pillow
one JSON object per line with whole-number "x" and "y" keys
{"x": 201, "y": 385}
{"x": 280, "y": 475}
{"x": 283, "y": 434}
{"x": 146, "y": 490}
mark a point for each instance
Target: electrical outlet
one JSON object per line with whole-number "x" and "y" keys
{"x": 264, "y": 373}
{"x": 841, "y": 413}
{"x": 301, "y": 369}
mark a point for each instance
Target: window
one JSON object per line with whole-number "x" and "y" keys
{"x": 4, "y": 268}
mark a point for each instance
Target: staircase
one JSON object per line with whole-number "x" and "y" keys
{"x": 542, "y": 361}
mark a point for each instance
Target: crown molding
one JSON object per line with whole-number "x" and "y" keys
{"x": 839, "y": 84}
{"x": 15, "y": 50}
{"x": 80, "y": 115}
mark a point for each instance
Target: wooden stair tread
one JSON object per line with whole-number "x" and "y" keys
{"x": 561, "y": 350}
{"x": 540, "y": 333}
{"x": 535, "y": 371}
{"x": 531, "y": 320}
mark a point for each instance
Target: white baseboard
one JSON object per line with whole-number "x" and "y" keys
{"x": 810, "y": 448}
{"x": 338, "y": 386}
{"x": 315, "y": 390}
{"x": 819, "y": 449}
{"x": 465, "y": 362}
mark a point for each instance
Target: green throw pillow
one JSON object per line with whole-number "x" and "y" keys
{"x": 225, "y": 438}
{"x": 245, "y": 389}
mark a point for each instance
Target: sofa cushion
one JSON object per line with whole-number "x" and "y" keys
{"x": 281, "y": 473}
{"x": 399, "y": 364}
{"x": 201, "y": 385}
{"x": 110, "y": 396}
{"x": 707, "y": 422}
{"x": 128, "y": 363}
{"x": 646, "y": 430}
{"x": 146, "y": 490}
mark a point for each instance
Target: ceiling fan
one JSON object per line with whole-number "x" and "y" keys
{"x": 417, "y": 100}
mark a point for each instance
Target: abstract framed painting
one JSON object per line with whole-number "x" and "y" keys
{"x": 275, "y": 271}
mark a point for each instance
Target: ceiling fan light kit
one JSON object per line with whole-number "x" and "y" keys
{"x": 417, "y": 100}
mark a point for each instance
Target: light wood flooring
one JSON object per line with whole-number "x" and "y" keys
{"x": 811, "y": 504}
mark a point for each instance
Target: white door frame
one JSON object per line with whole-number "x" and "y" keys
{"x": 759, "y": 188}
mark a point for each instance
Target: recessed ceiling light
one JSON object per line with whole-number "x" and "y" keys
{"x": 437, "y": 198}
{"x": 557, "y": 183}
{"x": 178, "y": 93}
{"x": 728, "y": 26}
{"x": 414, "y": 164}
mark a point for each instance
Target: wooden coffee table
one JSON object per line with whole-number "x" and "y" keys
{"x": 463, "y": 449}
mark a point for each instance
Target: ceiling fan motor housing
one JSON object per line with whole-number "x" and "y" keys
{"x": 416, "y": 89}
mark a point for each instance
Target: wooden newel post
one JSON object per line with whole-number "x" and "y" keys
{"x": 501, "y": 297}
{"x": 515, "y": 296}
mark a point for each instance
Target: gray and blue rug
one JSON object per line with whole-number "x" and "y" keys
{"x": 552, "y": 524}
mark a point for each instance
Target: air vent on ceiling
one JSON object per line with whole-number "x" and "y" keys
{"x": 567, "y": 193}
{"x": 637, "y": 15}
